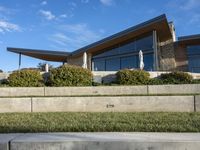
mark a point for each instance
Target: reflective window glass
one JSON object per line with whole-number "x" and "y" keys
{"x": 99, "y": 65}
{"x": 129, "y": 62}
{"x": 194, "y": 58}
{"x": 113, "y": 64}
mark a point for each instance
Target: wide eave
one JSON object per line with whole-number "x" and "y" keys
{"x": 57, "y": 56}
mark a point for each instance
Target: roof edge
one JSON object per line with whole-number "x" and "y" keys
{"x": 122, "y": 33}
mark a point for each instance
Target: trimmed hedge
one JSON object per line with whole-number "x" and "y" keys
{"x": 176, "y": 78}
{"x": 68, "y": 75}
{"x": 132, "y": 77}
{"x": 99, "y": 122}
{"x": 25, "y": 78}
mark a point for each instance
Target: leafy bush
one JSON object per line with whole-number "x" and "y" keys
{"x": 132, "y": 77}
{"x": 196, "y": 81}
{"x": 68, "y": 75}
{"x": 155, "y": 81}
{"x": 25, "y": 78}
{"x": 176, "y": 78}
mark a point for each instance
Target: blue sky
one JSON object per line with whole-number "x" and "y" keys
{"x": 67, "y": 25}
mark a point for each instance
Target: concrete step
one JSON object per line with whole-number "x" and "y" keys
{"x": 104, "y": 141}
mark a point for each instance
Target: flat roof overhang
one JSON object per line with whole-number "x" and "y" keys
{"x": 189, "y": 40}
{"x": 57, "y": 56}
{"x": 159, "y": 24}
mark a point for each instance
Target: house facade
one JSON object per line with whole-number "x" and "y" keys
{"x": 162, "y": 50}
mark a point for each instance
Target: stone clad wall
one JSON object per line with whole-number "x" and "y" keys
{"x": 167, "y": 57}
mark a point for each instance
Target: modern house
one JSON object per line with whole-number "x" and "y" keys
{"x": 156, "y": 38}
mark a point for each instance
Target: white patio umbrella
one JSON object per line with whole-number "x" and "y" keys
{"x": 141, "y": 60}
{"x": 84, "y": 60}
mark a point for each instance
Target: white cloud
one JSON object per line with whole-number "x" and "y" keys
{"x": 44, "y": 3}
{"x": 107, "y": 2}
{"x": 190, "y": 4}
{"x": 85, "y": 1}
{"x": 8, "y": 27}
{"x": 47, "y": 14}
{"x": 74, "y": 36}
{"x": 63, "y": 16}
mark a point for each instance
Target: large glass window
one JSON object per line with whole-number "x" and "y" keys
{"x": 99, "y": 65}
{"x": 194, "y": 58}
{"x": 148, "y": 62}
{"x": 113, "y": 64}
{"x": 125, "y": 55}
{"x": 129, "y": 62}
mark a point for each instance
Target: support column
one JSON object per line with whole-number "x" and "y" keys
{"x": 89, "y": 61}
{"x": 155, "y": 47}
{"x": 20, "y": 59}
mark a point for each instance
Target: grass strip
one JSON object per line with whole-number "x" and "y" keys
{"x": 99, "y": 122}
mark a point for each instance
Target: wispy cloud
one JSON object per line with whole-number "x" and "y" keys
{"x": 8, "y": 27}
{"x": 74, "y": 36}
{"x": 85, "y": 1}
{"x": 190, "y": 4}
{"x": 107, "y": 2}
{"x": 47, "y": 14}
{"x": 44, "y": 3}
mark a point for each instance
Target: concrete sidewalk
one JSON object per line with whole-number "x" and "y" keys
{"x": 100, "y": 141}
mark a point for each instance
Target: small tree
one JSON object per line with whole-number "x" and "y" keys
{"x": 41, "y": 66}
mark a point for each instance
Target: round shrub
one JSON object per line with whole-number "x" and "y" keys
{"x": 176, "y": 78}
{"x": 68, "y": 75}
{"x": 155, "y": 81}
{"x": 25, "y": 78}
{"x": 132, "y": 77}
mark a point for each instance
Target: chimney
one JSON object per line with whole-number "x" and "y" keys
{"x": 172, "y": 29}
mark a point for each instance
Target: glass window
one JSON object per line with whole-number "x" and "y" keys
{"x": 99, "y": 65}
{"x": 144, "y": 43}
{"x": 148, "y": 62}
{"x": 194, "y": 58}
{"x": 129, "y": 62}
{"x": 113, "y": 64}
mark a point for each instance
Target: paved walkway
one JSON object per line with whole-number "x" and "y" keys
{"x": 100, "y": 141}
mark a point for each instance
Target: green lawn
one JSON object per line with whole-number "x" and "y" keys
{"x": 99, "y": 122}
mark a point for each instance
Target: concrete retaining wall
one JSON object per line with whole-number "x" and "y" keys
{"x": 21, "y": 91}
{"x": 100, "y": 90}
{"x": 15, "y": 105}
{"x": 100, "y": 104}
{"x": 174, "y": 89}
{"x": 114, "y": 104}
{"x": 103, "y": 141}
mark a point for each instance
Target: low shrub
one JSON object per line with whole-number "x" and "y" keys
{"x": 25, "y": 78}
{"x": 68, "y": 75}
{"x": 155, "y": 81}
{"x": 176, "y": 78}
{"x": 196, "y": 81}
{"x": 132, "y": 77}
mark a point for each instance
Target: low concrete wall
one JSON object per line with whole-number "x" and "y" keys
{"x": 15, "y": 105}
{"x": 21, "y": 91}
{"x": 101, "y": 90}
{"x": 174, "y": 89}
{"x": 105, "y": 141}
{"x": 197, "y": 103}
{"x": 114, "y": 104}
